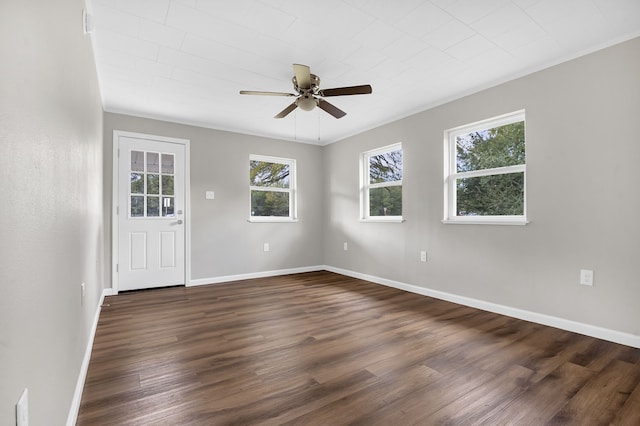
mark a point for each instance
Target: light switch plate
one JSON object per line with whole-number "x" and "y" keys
{"x": 586, "y": 277}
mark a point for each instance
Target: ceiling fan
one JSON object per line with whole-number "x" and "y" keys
{"x": 310, "y": 95}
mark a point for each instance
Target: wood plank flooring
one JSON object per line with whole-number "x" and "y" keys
{"x": 324, "y": 349}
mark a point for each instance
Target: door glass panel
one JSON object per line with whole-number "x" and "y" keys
{"x": 137, "y": 206}
{"x": 137, "y": 161}
{"x": 167, "y": 185}
{"x": 153, "y": 184}
{"x": 168, "y": 208}
{"x": 167, "y": 164}
{"x": 137, "y": 183}
{"x": 153, "y": 206}
{"x": 153, "y": 165}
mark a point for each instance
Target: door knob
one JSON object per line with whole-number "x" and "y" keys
{"x": 179, "y": 222}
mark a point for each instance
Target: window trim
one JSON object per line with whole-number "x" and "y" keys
{"x": 292, "y": 190}
{"x": 451, "y": 176}
{"x": 365, "y": 186}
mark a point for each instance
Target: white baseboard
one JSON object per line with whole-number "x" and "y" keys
{"x": 264, "y": 274}
{"x": 77, "y": 395}
{"x": 561, "y": 323}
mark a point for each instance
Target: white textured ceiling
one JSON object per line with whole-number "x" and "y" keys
{"x": 186, "y": 60}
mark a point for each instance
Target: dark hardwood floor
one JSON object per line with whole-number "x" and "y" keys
{"x": 325, "y": 349}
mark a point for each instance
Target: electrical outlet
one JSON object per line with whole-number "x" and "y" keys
{"x": 210, "y": 195}
{"x": 345, "y": 246}
{"x": 586, "y": 277}
{"x": 265, "y": 247}
{"x": 423, "y": 256}
{"x": 22, "y": 409}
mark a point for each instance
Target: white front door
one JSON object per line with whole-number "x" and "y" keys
{"x": 150, "y": 212}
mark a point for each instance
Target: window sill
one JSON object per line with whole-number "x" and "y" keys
{"x": 271, "y": 220}
{"x": 486, "y": 221}
{"x": 395, "y": 219}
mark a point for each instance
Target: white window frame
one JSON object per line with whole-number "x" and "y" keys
{"x": 291, "y": 190}
{"x": 451, "y": 176}
{"x": 365, "y": 186}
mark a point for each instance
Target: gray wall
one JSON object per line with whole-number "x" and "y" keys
{"x": 583, "y": 152}
{"x": 223, "y": 242}
{"x": 51, "y": 237}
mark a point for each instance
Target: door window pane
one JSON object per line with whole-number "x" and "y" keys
{"x": 137, "y": 161}
{"x": 137, "y": 206}
{"x": 167, "y": 164}
{"x": 153, "y": 184}
{"x": 153, "y": 164}
{"x": 167, "y": 185}
{"x": 137, "y": 183}
{"x": 168, "y": 208}
{"x": 153, "y": 206}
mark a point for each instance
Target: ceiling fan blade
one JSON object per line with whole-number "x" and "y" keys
{"x": 303, "y": 76}
{"x": 331, "y": 109}
{"x": 365, "y": 89}
{"x": 253, "y": 92}
{"x": 286, "y": 111}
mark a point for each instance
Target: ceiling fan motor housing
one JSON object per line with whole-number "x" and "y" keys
{"x": 314, "y": 85}
{"x": 307, "y": 101}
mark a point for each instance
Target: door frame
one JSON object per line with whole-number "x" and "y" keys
{"x": 114, "y": 201}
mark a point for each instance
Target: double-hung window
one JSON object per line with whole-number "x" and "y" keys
{"x": 485, "y": 171}
{"x": 381, "y": 184}
{"x": 272, "y": 185}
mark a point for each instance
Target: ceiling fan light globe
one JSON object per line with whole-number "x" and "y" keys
{"x": 306, "y": 103}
